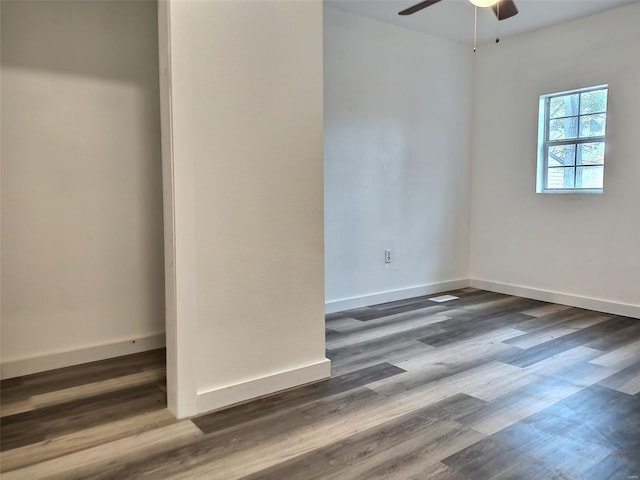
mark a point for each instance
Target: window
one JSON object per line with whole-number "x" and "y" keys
{"x": 571, "y": 141}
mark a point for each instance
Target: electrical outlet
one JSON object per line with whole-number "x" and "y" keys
{"x": 387, "y": 255}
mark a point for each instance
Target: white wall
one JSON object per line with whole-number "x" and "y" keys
{"x": 397, "y": 149}
{"x": 81, "y": 186}
{"x": 581, "y": 245}
{"x": 245, "y": 120}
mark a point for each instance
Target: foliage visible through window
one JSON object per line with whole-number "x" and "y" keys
{"x": 572, "y": 141}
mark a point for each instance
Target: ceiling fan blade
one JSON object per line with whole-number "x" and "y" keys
{"x": 418, "y": 7}
{"x": 505, "y": 9}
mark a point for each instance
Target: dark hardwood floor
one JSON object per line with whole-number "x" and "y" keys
{"x": 485, "y": 386}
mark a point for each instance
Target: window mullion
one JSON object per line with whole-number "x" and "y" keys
{"x": 579, "y": 109}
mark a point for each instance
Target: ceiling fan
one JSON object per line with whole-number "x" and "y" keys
{"x": 502, "y": 8}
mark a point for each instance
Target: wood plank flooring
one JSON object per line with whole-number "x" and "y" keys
{"x": 485, "y": 386}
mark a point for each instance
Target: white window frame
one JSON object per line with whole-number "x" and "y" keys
{"x": 544, "y": 143}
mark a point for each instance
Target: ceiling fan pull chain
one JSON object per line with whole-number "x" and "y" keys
{"x": 498, "y": 23}
{"x": 475, "y": 29}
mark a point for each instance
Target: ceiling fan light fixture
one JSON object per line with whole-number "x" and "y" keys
{"x": 502, "y": 8}
{"x": 483, "y": 3}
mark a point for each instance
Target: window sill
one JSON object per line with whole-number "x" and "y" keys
{"x": 573, "y": 191}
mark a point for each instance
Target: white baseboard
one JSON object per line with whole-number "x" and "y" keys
{"x": 231, "y": 394}
{"x": 587, "y": 303}
{"x": 27, "y": 366}
{"x": 393, "y": 295}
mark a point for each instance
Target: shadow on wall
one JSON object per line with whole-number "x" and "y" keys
{"x": 97, "y": 38}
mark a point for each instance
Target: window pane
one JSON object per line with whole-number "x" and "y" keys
{"x": 593, "y": 125}
{"x": 560, "y": 177}
{"x": 563, "y": 128}
{"x": 590, "y": 177}
{"x": 593, "y": 102}
{"x": 564, "y": 106}
{"x": 591, "y": 153}
{"x": 561, "y": 155}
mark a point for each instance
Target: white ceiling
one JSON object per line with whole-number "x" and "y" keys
{"x": 453, "y": 19}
